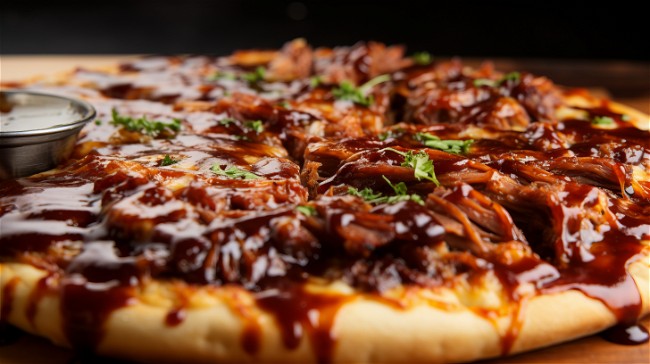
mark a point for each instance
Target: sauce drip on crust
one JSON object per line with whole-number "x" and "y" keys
{"x": 318, "y": 168}
{"x": 299, "y": 313}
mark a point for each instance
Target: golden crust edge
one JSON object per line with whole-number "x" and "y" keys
{"x": 367, "y": 330}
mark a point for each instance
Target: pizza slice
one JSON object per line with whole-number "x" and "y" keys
{"x": 329, "y": 205}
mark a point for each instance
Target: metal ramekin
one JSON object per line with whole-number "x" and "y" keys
{"x": 26, "y": 152}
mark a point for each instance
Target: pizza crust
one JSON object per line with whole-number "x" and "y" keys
{"x": 367, "y": 330}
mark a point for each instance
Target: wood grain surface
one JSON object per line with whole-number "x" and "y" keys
{"x": 590, "y": 350}
{"x": 593, "y": 350}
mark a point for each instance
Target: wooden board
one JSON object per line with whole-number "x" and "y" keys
{"x": 590, "y": 350}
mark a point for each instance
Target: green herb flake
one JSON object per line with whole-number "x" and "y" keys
{"x": 222, "y": 75}
{"x": 625, "y": 117}
{"x": 358, "y": 95}
{"x": 401, "y": 193}
{"x": 168, "y": 161}
{"x": 256, "y": 76}
{"x": 391, "y": 134}
{"x": 253, "y": 77}
{"x": 98, "y": 122}
{"x": 422, "y": 58}
{"x": 227, "y": 121}
{"x": 233, "y": 172}
{"x": 602, "y": 120}
{"x": 257, "y": 126}
{"x": 449, "y": 145}
{"x": 479, "y": 82}
{"x": 367, "y": 193}
{"x": 420, "y": 163}
{"x": 400, "y": 189}
{"x": 283, "y": 104}
{"x": 513, "y": 77}
{"x": 306, "y": 210}
{"x": 143, "y": 125}
{"x": 315, "y": 81}
{"x": 347, "y": 91}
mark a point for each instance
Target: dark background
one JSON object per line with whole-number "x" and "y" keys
{"x": 575, "y": 43}
{"x": 547, "y": 29}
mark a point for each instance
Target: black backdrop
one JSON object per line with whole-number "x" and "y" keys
{"x": 547, "y": 29}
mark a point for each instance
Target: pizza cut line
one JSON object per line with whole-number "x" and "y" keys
{"x": 331, "y": 205}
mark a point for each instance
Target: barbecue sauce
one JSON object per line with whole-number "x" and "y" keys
{"x": 97, "y": 282}
{"x": 301, "y": 314}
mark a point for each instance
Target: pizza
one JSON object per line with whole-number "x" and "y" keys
{"x": 348, "y": 204}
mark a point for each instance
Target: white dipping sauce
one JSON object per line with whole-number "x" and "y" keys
{"x": 32, "y": 115}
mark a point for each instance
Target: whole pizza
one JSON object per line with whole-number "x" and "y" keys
{"x": 346, "y": 204}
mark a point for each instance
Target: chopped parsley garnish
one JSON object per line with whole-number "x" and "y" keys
{"x": 367, "y": 193}
{"x": 625, "y": 117}
{"x": 256, "y": 126}
{"x": 98, "y": 122}
{"x": 168, "y": 161}
{"x": 222, "y": 75}
{"x": 420, "y": 163}
{"x": 422, "y": 58}
{"x": 233, "y": 172}
{"x": 400, "y": 189}
{"x": 401, "y": 193}
{"x": 145, "y": 126}
{"x": 396, "y": 133}
{"x": 251, "y": 77}
{"x": 227, "y": 121}
{"x": 306, "y": 210}
{"x": 255, "y": 76}
{"x": 315, "y": 81}
{"x": 512, "y": 76}
{"x": 449, "y": 146}
{"x": 485, "y": 82}
{"x": 358, "y": 95}
{"x": 283, "y": 104}
{"x": 347, "y": 91}
{"x": 602, "y": 120}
